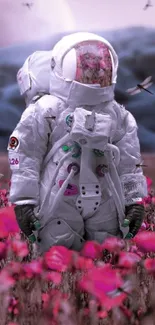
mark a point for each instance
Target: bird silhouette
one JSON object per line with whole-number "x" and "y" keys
{"x": 28, "y": 4}
{"x": 148, "y": 4}
{"x": 140, "y": 87}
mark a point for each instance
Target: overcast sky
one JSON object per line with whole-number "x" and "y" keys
{"x": 18, "y": 23}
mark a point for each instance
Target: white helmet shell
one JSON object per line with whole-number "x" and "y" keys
{"x": 64, "y": 54}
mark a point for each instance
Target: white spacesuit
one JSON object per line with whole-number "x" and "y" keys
{"x": 77, "y": 150}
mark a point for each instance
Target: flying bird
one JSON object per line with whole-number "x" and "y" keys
{"x": 148, "y": 4}
{"x": 140, "y": 87}
{"x": 28, "y": 4}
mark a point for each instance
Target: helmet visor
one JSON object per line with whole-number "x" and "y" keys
{"x": 94, "y": 64}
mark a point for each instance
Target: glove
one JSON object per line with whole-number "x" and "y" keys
{"x": 135, "y": 215}
{"x": 27, "y": 220}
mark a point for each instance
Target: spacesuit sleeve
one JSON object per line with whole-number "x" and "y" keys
{"x": 26, "y": 150}
{"x": 131, "y": 176}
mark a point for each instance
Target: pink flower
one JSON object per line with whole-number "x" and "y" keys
{"x": 108, "y": 300}
{"x": 149, "y": 182}
{"x": 101, "y": 281}
{"x": 134, "y": 249}
{"x": 58, "y": 258}
{"x": 33, "y": 268}
{"x": 3, "y": 231}
{"x": 14, "y": 268}
{"x": 6, "y": 281}
{"x": 128, "y": 260}
{"x": 20, "y": 248}
{"x": 92, "y": 250}
{"x": 145, "y": 241}
{"x": 149, "y": 264}
{"x": 113, "y": 245}
{"x": 8, "y": 222}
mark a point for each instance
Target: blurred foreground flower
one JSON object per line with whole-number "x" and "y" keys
{"x": 145, "y": 241}
{"x": 32, "y": 269}
{"x": 149, "y": 183}
{"x": 100, "y": 281}
{"x": 108, "y": 283}
{"x": 149, "y": 264}
{"x": 128, "y": 260}
{"x": 8, "y": 223}
{"x": 58, "y": 258}
{"x": 92, "y": 250}
{"x": 113, "y": 244}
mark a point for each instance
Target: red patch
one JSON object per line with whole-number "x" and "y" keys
{"x": 13, "y": 143}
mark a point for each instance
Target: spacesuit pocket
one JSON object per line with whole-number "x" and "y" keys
{"x": 58, "y": 233}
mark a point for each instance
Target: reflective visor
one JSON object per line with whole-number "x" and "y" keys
{"x": 94, "y": 64}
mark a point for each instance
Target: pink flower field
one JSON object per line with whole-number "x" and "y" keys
{"x": 111, "y": 284}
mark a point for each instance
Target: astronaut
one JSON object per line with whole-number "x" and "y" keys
{"x": 76, "y": 151}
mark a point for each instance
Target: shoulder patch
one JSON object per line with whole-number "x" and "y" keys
{"x": 13, "y": 143}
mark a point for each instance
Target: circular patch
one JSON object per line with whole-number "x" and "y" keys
{"x": 13, "y": 143}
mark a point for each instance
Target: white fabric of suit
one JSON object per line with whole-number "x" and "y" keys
{"x": 94, "y": 205}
